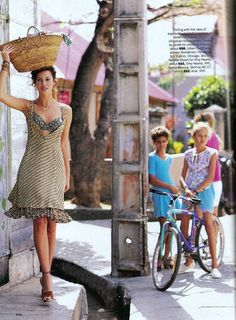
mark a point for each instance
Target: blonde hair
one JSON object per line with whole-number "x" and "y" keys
{"x": 201, "y": 125}
{"x": 205, "y": 117}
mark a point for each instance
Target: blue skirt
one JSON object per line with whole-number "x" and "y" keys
{"x": 207, "y": 199}
{"x": 161, "y": 205}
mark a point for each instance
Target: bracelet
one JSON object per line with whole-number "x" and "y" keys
{"x": 7, "y": 62}
{"x": 6, "y": 67}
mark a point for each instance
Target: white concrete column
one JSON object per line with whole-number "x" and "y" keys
{"x": 130, "y": 140}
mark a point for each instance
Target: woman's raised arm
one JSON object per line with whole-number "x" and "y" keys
{"x": 10, "y": 101}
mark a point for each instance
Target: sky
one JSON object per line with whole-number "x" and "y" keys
{"x": 87, "y": 10}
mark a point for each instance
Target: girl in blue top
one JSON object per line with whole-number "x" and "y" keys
{"x": 159, "y": 172}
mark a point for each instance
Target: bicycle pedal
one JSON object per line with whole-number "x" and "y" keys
{"x": 187, "y": 254}
{"x": 194, "y": 255}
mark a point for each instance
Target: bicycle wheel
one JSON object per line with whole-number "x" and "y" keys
{"x": 166, "y": 260}
{"x": 203, "y": 251}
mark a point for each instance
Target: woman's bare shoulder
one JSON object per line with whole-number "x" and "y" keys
{"x": 66, "y": 110}
{"x": 66, "y": 107}
{"x": 27, "y": 105}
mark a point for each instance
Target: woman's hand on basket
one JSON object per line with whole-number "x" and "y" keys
{"x": 6, "y": 51}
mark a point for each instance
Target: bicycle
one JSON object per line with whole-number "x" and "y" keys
{"x": 172, "y": 244}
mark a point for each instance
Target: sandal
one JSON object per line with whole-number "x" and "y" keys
{"x": 47, "y": 296}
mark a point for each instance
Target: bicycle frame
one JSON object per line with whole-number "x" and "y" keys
{"x": 189, "y": 245}
{"x": 172, "y": 244}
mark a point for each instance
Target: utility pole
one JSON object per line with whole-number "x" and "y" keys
{"x": 130, "y": 140}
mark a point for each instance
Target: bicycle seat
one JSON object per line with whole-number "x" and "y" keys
{"x": 194, "y": 200}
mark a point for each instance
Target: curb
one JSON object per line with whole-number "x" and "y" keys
{"x": 112, "y": 294}
{"x": 89, "y": 214}
{"x": 83, "y": 214}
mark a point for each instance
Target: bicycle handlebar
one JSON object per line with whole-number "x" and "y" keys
{"x": 159, "y": 192}
{"x": 193, "y": 200}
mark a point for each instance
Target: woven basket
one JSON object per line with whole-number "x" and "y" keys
{"x": 35, "y": 51}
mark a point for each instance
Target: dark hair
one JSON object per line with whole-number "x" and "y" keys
{"x": 158, "y": 132}
{"x": 34, "y": 73}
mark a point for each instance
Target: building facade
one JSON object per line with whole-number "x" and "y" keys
{"x": 16, "y": 237}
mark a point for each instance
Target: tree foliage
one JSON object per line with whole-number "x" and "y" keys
{"x": 166, "y": 82}
{"x": 88, "y": 148}
{"x": 174, "y": 146}
{"x": 183, "y": 7}
{"x": 210, "y": 90}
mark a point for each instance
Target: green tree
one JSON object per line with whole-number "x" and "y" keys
{"x": 210, "y": 90}
{"x": 88, "y": 149}
{"x": 166, "y": 82}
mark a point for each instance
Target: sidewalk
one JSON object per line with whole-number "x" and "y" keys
{"x": 194, "y": 295}
{"x": 23, "y": 301}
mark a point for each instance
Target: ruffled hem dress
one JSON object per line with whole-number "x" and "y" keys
{"x": 39, "y": 188}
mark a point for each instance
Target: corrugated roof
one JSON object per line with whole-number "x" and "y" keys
{"x": 157, "y": 92}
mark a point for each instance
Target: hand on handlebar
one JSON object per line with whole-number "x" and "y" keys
{"x": 174, "y": 190}
{"x": 190, "y": 193}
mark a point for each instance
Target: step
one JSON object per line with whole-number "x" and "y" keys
{"x": 23, "y": 301}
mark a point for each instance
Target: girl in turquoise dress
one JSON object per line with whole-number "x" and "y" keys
{"x": 159, "y": 172}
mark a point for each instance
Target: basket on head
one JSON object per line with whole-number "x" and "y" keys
{"x": 35, "y": 51}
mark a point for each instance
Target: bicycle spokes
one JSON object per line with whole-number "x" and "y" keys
{"x": 166, "y": 259}
{"x": 203, "y": 251}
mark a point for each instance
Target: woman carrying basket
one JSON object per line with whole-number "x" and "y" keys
{"x": 44, "y": 171}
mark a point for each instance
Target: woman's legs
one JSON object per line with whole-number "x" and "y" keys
{"x": 217, "y": 185}
{"x": 44, "y": 240}
{"x": 184, "y": 225}
{"x": 209, "y": 225}
{"x": 162, "y": 220}
{"x": 184, "y": 229}
{"x": 41, "y": 242}
{"x": 51, "y": 239}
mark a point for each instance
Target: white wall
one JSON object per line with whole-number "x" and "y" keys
{"x": 176, "y": 166}
{"x": 23, "y": 14}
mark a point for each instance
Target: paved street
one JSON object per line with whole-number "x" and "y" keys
{"x": 194, "y": 295}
